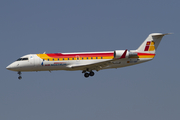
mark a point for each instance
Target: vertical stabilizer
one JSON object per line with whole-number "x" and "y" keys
{"x": 151, "y": 43}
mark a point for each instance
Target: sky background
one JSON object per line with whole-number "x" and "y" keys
{"x": 148, "y": 91}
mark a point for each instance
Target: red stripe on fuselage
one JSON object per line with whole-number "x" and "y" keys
{"x": 60, "y": 55}
{"x": 145, "y": 54}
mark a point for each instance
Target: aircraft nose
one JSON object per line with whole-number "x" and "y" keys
{"x": 12, "y": 67}
{"x": 9, "y": 67}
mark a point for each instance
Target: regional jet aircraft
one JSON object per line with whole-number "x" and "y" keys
{"x": 87, "y": 62}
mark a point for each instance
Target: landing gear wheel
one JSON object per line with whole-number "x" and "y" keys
{"x": 19, "y": 72}
{"x": 19, "y": 77}
{"x": 86, "y": 75}
{"x": 91, "y": 73}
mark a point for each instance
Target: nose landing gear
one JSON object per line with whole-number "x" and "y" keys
{"x": 19, "y": 75}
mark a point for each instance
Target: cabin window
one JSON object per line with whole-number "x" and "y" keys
{"x": 82, "y": 58}
{"x": 48, "y": 59}
{"x": 96, "y": 57}
{"x": 68, "y": 58}
{"x": 53, "y": 59}
{"x": 101, "y": 57}
{"x": 43, "y": 59}
{"x": 87, "y": 58}
{"x": 91, "y": 57}
{"x": 58, "y": 59}
{"x": 72, "y": 58}
{"x": 63, "y": 58}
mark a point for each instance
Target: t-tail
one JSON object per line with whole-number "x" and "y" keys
{"x": 148, "y": 48}
{"x": 151, "y": 43}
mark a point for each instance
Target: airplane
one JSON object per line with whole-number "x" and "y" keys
{"x": 87, "y": 62}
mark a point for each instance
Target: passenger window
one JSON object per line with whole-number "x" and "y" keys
{"x": 91, "y": 57}
{"x": 58, "y": 59}
{"x": 101, "y": 57}
{"x": 63, "y": 58}
{"x": 72, "y": 58}
{"x": 96, "y": 57}
{"x": 82, "y": 58}
{"x": 48, "y": 59}
{"x": 68, "y": 58}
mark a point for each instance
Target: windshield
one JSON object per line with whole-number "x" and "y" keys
{"x": 22, "y": 59}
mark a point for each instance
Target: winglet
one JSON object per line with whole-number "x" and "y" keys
{"x": 124, "y": 54}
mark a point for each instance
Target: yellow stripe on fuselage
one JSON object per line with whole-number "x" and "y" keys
{"x": 146, "y": 56}
{"x": 46, "y": 57}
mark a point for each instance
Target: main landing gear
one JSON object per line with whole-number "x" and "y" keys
{"x": 86, "y": 75}
{"x": 19, "y": 75}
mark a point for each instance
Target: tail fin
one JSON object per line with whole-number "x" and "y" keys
{"x": 151, "y": 43}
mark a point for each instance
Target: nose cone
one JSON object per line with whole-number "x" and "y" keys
{"x": 8, "y": 67}
{"x": 12, "y": 67}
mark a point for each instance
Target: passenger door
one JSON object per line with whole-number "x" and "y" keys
{"x": 31, "y": 60}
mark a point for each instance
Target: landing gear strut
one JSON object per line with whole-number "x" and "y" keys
{"x": 19, "y": 75}
{"x": 86, "y": 75}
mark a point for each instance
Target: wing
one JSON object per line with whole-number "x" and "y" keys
{"x": 98, "y": 65}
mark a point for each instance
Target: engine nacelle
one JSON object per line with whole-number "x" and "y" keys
{"x": 119, "y": 53}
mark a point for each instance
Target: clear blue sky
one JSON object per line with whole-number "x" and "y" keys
{"x": 148, "y": 91}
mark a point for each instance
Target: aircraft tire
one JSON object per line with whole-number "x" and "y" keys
{"x": 19, "y": 77}
{"x": 91, "y": 73}
{"x": 86, "y": 75}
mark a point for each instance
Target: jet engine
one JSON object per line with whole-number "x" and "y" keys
{"x": 119, "y": 53}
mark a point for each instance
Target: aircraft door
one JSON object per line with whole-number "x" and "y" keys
{"x": 37, "y": 61}
{"x": 31, "y": 60}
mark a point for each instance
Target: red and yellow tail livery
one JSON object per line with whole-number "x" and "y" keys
{"x": 149, "y": 46}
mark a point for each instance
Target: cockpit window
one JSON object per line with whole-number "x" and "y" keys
{"x": 22, "y": 59}
{"x": 19, "y": 59}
